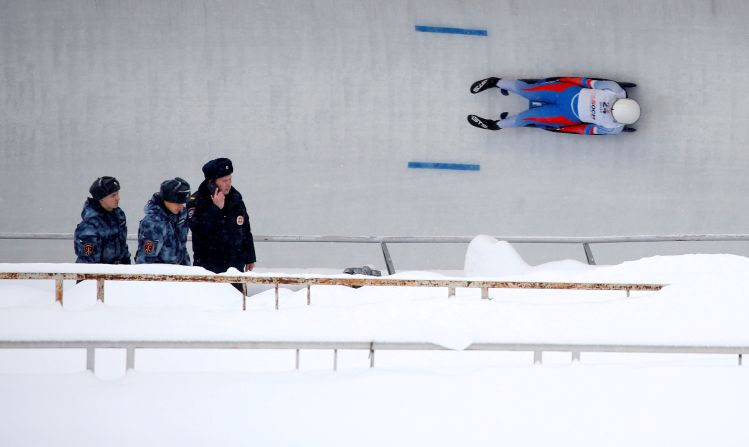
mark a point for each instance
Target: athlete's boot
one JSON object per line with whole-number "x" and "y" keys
{"x": 486, "y": 84}
{"x": 482, "y": 123}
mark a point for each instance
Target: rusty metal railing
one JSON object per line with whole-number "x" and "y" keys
{"x": 308, "y": 281}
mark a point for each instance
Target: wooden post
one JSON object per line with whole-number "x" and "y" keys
{"x": 309, "y": 293}
{"x": 451, "y": 292}
{"x": 100, "y": 290}
{"x": 58, "y": 290}
{"x": 276, "y": 296}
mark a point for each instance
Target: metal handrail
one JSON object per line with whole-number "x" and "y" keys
{"x": 310, "y": 280}
{"x": 444, "y": 239}
{"x": 585, "y": 241}
{"x": 538, "y": 349}
{"x": 511, "y": 239}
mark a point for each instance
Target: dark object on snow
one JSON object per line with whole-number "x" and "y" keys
{"x": 366, "y": 270}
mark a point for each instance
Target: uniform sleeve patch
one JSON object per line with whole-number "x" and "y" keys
{"x": 149, "y": 247}
{"x": 88, "y": 249}
{"x": 190, "y": 212}
{"x": 240, "y": 220}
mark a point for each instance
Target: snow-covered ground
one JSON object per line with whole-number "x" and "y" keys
{"x": 410, "y": 398}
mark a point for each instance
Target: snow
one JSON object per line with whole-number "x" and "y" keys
{"x": 524, "y": 406}
{"x": 416, "y": 398}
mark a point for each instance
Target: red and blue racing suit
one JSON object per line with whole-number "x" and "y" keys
{"x": 572, "y": 105}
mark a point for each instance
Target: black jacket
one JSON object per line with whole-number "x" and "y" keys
{"x": 221, "y": 238}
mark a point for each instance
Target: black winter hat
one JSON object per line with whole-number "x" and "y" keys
{"x": 104, "y": 186}
{"x": 176, "y": 190}
{"x": 217, "y": 168}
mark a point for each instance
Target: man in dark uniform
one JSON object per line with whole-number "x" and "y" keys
{"x": 221, "y": 234}
{"x": 101, "y": 237}
{"x": 162, "y": 235}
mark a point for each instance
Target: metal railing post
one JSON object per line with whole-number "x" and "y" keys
{"x": 538, "y": 357}
{"x": 388, "y": 260}
{"x": 90, "y": 359}
{"x": 130, "y": 358}
{"x": 589, "y": 254}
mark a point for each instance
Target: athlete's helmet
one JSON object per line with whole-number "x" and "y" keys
{"x": 625, "y": 111}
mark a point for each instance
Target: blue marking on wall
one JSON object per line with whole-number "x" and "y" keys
{"x": 452, "y": 166}
{"x": 444, "y": 30}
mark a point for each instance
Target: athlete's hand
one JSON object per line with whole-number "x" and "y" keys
{"x": 218, "y": 199}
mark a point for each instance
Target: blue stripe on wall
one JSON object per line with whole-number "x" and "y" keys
{"x": 453, "y": 166}
{"x": 444, "y": 30}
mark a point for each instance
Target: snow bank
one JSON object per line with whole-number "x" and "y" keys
{"x": 487, "y": 257}
{"x": 704, "y": 302}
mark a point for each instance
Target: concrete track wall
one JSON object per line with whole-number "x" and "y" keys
{"x": 322, "y": 104}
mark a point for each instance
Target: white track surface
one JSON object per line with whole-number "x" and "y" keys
{"x": 322, "y": 104}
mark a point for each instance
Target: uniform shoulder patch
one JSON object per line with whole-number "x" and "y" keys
{"x": 190, "y": 213}
{"x": 240, "y": 220}
{"x": 88, "y": 249}
{"x": 149, "y": 247}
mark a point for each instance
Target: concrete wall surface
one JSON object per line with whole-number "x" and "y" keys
{"x": 322, "y": 104}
